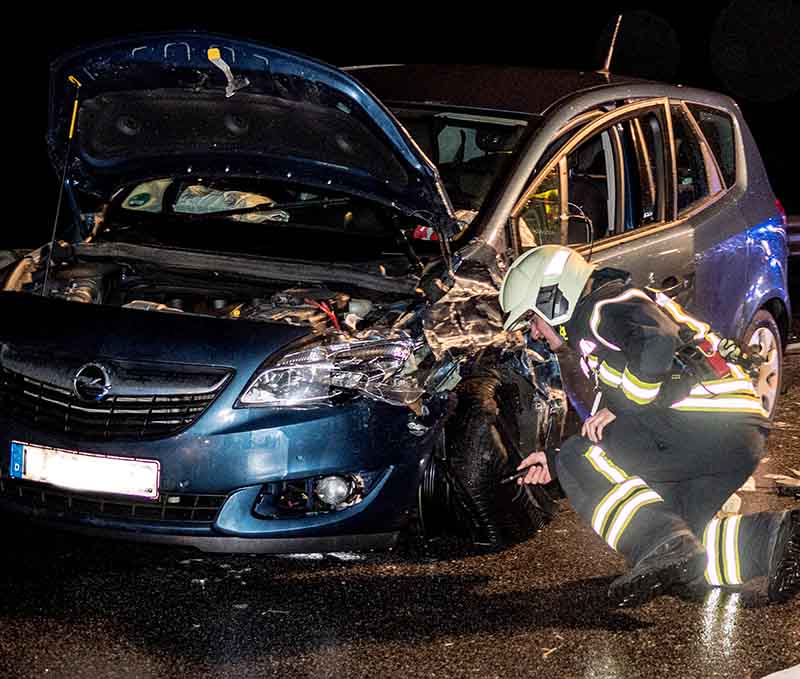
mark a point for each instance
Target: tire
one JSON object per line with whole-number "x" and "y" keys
{"x": 763, "y": 332}
{"x": 487, "y": 513}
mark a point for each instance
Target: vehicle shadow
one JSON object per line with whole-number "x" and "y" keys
{"x": 206, "y": 609}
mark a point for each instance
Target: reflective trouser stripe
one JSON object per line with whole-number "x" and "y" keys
{"x": 616, "y": 510}
{"x": 721, "y": 540}
{"x": 730, "y": 386}
{"x": 626, "y": 513}
{"x": 732, "y": 403}
{"x": 628, "y": 494}
{"x": 597, "y": 457}
{"x": 619, "y": 493}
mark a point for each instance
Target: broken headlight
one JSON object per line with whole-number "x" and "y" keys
{"x": 376, "y": 368}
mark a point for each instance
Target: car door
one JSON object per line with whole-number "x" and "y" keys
{"x": 610, "y": 193}
{"x": 712, "y": 209}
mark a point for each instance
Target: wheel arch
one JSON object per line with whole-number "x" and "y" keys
{"x": 780, "y": 313}
{"x": 776, "y": 303}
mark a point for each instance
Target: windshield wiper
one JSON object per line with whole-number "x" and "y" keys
{"x": 268, "y": 207}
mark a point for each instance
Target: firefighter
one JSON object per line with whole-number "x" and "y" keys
{"x": 676, "y": 427}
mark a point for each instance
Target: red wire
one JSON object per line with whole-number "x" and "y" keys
{"x": 322, "y": 306}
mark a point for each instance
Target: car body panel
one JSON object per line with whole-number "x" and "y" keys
{"x": 767, "y": 255}
{"x": 157, "y": 105}
{"x": 512, "y": 89}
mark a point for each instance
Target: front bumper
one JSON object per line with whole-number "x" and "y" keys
{"x": 233, "y": 466}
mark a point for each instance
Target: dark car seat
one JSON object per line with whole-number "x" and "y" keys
{"x": 588, "y": 189}
{"x": 475, "y": 176}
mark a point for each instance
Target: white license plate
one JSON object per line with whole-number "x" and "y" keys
{"x": 85, "y": 471}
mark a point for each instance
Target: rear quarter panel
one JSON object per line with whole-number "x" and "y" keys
{"x": 741, "y": 247}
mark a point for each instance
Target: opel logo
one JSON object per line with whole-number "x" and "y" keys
{"x": 92, "y": 382}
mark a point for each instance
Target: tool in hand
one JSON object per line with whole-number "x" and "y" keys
{"x": 517, "y": 475}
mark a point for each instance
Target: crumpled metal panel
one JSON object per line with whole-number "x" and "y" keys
{"x": 468, "y": 317}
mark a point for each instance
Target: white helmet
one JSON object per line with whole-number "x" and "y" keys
{"x": 547, "y": 281}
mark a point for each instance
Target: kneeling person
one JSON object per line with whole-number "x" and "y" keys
{"x": 680, "y": 429}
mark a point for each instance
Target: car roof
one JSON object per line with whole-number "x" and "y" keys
{"x": 515, "y": 89}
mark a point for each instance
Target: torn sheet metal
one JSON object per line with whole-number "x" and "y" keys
{"x": 234, "y": 84}
{"x": 468, "y": 317}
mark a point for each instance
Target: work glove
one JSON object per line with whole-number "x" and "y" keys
{"x": 733, "y": 352}
{"x": 730, "y": 350}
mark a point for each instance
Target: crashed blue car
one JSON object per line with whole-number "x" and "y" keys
{"x": 270, "y": 322}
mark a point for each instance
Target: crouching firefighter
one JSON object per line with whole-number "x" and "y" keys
{"x": 675, "y": 429}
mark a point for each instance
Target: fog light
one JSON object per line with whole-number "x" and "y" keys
{"x": 333, "y": 490}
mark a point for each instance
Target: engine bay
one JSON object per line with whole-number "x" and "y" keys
{"x": 373, "y": 332}
{"x": 147, "y": 288}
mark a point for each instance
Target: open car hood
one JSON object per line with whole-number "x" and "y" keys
{"x": 197, "y": 105}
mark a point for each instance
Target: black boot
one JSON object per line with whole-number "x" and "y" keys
{"x": 784, "y": 557}
{"x": 676, "y": 561}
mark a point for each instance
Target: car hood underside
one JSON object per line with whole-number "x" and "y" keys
{"x": 191, "y": 104}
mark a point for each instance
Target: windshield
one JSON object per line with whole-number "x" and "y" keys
{"x": 469, "y": 150}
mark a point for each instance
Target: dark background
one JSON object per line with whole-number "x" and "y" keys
{"x": 749, "y": 49}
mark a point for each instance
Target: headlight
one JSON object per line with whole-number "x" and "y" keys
{"x": 318, "y": 374}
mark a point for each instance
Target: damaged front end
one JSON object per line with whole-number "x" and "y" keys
{"x": 260, "y": 300}
{"x": 359, "y": 341}
{"x": 394, "y": 344}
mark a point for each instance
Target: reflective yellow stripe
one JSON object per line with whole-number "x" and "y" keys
{"x": 593, "y": 362}
{"x": 627, "y": 512}
{"x": 721, "y": 541}
{"x": 640, "y": 382}
{"x": 713, "y": 574}
{"x": 598, "y": 459}
{"x": 609, "y": 376}
{"x": 594, "y": 321}
{"x": 734, "y": 403}
{"x": 733, "y": 376}
{"x": 678, "y": 314}
{"x": 610, "y": 383}
{"x": 738, "y": 381}
{"x": 617, "y": 494}
{"x": 732, "y": 567}
{"x": 637, "y": 390}
{"x": 729, "y": 386}
{"x": 737, "y": 371}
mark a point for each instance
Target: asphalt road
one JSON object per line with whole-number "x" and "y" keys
{"x": 86, "y": 608}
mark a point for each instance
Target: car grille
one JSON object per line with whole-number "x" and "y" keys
{"x": 124, "y": 417}
{"x": 170, "y": 508}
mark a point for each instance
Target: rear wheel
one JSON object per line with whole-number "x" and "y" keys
{"x": 479, "y": 455}
{"x": 763, "y": 333}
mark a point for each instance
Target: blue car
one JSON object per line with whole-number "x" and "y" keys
{"x": 270, "y": 322}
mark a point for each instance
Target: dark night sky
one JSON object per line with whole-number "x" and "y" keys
{"x": 749, "y": 49}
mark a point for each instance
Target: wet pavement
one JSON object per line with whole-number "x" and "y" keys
{"x": 74, "y": 607}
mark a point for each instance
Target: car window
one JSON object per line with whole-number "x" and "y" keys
{"x": 590, "y": 190}
{"x": 470, "y": 151}
{"x": 642, "y": 144}
{"x": 539, "y": 222}
{"x": 616, "y": 181}
{"x": 696, "y": 179}
{"x": 717, "y": 128}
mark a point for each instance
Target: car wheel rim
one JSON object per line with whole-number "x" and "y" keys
{"x": 768, "y": 379}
